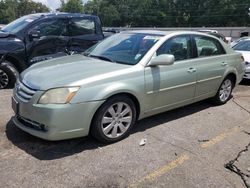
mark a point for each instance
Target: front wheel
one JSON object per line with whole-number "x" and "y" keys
{"x": 224, "y": 92}
{"x": 8, "y": 75}
{"x": 114, "y": 119}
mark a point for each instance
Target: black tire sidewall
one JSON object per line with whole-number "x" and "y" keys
{"x": 96, "y": 127}
{"x": 8, "y": 68}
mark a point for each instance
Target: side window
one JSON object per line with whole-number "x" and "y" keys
{"x": 81, "y": 26}
{"x": 55, "y": 27}
{"x": 208, "y": 46}
{"x": 179, "y": 46}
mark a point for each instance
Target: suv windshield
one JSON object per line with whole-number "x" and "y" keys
{"x": 124, "y": 48}
{"x": 242, "y": 46}
{"x": 18, "y": 24}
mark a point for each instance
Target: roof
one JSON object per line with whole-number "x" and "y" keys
{"x": 164, "y": 33}
{"x": 152, "y": 32}
{"x": 62, "y": 14}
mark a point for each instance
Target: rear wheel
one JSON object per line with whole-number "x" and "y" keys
{"x": 225, "y": 91}
{"x": 8, "y": 74}
{"x": 114, "y": 119}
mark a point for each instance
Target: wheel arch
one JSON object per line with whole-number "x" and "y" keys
{"x": 132, "y": 97}
{"x": 233, "y": 76}
{"x": 124, "y": 94}
{"x": 18, "y": 64}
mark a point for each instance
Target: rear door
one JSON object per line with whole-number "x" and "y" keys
{"x": 211, "y": 64}
{"x": 84, "y": 32}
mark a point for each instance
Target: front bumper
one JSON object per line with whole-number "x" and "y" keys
{"x": 53, "y": 121}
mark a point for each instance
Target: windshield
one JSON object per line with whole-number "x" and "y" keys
{"x": 242, "y": 46}
{"x": 18, "y": 24}
{"x": 124, "y": 48}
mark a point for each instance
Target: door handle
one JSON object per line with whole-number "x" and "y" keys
{"x": 224, "y": 64}
{"x": 191, "y": 70}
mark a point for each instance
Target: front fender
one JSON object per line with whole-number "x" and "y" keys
{"x": 103, "y": 92}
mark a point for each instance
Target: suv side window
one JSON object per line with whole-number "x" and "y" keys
{"x": 207, "y": 46}
{"x": 81, "y": 26}
{"x": 55, "y": 27}
{"x": 179, "y": 46}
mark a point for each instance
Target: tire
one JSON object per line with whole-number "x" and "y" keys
{"x": 224, "y": 92}
{"x": 8, "y": 75}
{"x": 114, "y": 119}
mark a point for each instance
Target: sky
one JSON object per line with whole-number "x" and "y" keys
{"x": 52, "y": 4}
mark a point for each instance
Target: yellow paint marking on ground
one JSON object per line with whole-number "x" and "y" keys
{"x": 222, "y": 136}
{"x": 163, "y": 170}
{"x": 219, "y": 138}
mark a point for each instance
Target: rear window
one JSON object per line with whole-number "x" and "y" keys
{"x": 81, "y": 26}
{"x": 207, "y": 46}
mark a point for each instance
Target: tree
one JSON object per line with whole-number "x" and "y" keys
{"x": 25, "y": 7}
{"x": 13, "y": 9}
{"x": 73, "y": 6}
{"x": 144, "y": 13}
{"x": 7, "y": 11}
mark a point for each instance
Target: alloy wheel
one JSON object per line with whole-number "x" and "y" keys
{"x": 116, "y": 120}
{"x": 225, "y": 90}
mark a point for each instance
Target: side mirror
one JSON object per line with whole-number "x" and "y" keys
{"x": 34, "y": 34}
{"x": 164, "y": 59}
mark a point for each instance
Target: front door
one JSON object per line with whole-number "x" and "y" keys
{"x": 50, "y": 38}
{"x": 174, "y": 85}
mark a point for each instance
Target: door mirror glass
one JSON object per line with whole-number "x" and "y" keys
{"x": 164, "y": 59}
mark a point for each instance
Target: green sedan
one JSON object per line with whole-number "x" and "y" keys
{"x": 128, "y": 76}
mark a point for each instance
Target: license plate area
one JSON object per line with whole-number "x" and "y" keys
{"x": 15, "y": 105}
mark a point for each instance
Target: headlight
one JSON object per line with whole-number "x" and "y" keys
{"x": 58, "y": 95}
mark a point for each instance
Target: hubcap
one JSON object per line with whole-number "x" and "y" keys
{"x": 116, "y": 120}
{"x": 225, "y": 90}
{"x": 4, "y": 79}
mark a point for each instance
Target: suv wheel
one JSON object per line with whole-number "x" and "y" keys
{"x": 7, "y": 75}
{"x": 114, "y": 119}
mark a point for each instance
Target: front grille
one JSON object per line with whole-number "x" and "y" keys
{"x": 31, "y": 124}
{"x": 23, "y": 92}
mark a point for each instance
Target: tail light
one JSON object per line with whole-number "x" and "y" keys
{"x": 242, "y": 58}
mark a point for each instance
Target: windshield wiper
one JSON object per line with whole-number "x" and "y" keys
{"x": 102, "y": 58}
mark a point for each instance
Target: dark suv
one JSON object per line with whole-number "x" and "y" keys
{"x": 38, "y": 37}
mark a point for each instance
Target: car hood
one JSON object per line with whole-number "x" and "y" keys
{"x": 67, "y": 71}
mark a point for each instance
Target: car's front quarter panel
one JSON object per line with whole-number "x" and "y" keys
{"x": 130, "y": 81}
